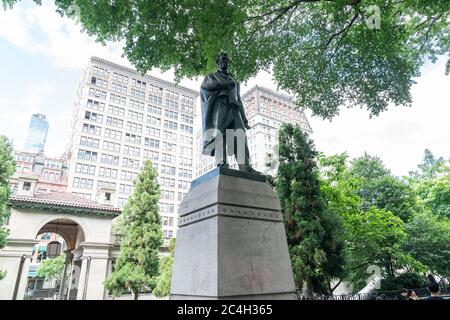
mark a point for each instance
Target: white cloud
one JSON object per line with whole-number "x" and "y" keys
{"x": 60, "y": 38}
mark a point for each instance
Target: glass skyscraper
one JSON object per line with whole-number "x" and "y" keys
{"x": 37, "y": 134}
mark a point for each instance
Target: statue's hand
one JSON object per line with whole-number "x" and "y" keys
{"x": 246, "y": 125}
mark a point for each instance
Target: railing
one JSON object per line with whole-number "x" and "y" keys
{"x": 391, "y": 295}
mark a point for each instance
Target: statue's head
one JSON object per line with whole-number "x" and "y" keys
{"x": 222, "y": 61}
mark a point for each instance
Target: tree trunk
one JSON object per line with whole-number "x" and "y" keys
{"x": 136, "y": 296}
{"x": 309, "y": 291}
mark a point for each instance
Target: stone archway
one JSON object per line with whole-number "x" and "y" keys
{"x": 72, "y": 235}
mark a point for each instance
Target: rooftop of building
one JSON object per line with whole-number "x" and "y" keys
{"x": 152, "y": 78}
{"x": 268, "y": 91}
{"x": 65, "y": 199}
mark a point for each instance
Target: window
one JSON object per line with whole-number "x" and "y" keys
{"x": 130, "y": 163}
{"x": 82, "y": 183}
{"x": 169, "y": 146}
{"x": 136, "y": 105}
{"x": 116, "y": 110}
{"x": 150, "y": 154}
{"x": 151, "y": 142}
{"x": 91, "y": 129}
{"x": 155, "y": 99}
{"x": 170, "y": 125}
{"x": 92, "y": 104}
{"x": 106, "y": 184}
{"x": 111, "y": 146}
{"x": 169, "y": 135}
{"x": 114, "y": 122}
{"x": 154, "y": 120}
{"x": 132, "y": 138}
{"x": 132, "y": 151}
{"x": 92, "y": 116}
{"x": 187, "y": 119}
{"x": 122, "y": 88}
{"x": 26, "y": 186}
{"x": 113, "y": 134}
{"x": 154, "y": 109}
{"x": 154, "y": 132}
{"x": 138, "y": 84}
{"x": 120, "y": 78}
{"x": 99, "y": 82}
{"x": 168, "y": 221}
{"x": 125, "y": 189}
{"x": 117, "y": 99}
{"x": 99, "y": 71}
{"x": 82, "y": 168}
{"x": 168, "y": 170}
{"x": 186, "y": 128}
{"x": 127, "y": 175}
{"x": 171, "y": 114}
{"x": 135, "y": 115}
{"x": 107, "y": 172}
{"x": 132, "y": 126}
{"x": 97, "y": 93}
{"x": 184, "y": 184}
{"x": 109, "y": 159}
{"x": 185, "y": 173}
{"x": 138, "y": 93}
{"x": 168, "y": 158}
{"x": 89, "y": 142}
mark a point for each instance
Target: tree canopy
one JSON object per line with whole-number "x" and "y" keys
{"x": 327, "y": 53}
{"x": 52, "y": 268}
{"x": 315, "y": 248}
{"x": 137, "y": 265}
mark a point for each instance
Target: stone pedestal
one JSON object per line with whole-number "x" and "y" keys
{"x": 231, "y": 242}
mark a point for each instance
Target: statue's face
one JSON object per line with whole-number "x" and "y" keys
{"x": 222, "y": 62}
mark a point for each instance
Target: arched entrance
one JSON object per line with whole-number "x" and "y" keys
{"x": 61, "y": 281}
{"x": 83, "y": 225}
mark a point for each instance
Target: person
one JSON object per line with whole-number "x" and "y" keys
{"x": 403, "y": 294}
{"x": 433, "y": 288}
{"x": 412, "y": 295}
{"x": 222, "y": 113}
{"x": 382, "y": 297}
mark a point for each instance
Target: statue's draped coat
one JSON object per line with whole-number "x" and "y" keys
{"x": 222, "y": 108}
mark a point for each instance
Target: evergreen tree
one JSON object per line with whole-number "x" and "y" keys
{"x": 137, "y": 265}
{"x": 315, "y": 249}
{"x": 164, "y": 279}
{"x": 7, "y": 167}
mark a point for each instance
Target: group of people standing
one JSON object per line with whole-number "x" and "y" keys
{"x": 433, "y": 288}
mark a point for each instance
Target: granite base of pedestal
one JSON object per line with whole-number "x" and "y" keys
{"x": 231, "y": 241}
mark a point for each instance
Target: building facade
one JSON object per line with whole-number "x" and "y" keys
{"x": 266, "y": 111}
{"x": 82, "y": 226}
{"x": 121, "y": 119}
{"x": 50, "y": 174}
{"x": 36, "y": 134}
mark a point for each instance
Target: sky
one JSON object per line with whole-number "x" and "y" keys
{"x": 42, "y": 57}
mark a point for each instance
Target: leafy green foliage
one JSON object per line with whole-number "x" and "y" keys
{"x": 408, "y": 280}
{"x": 432, "y": 184}
{"x": 429, "y": 242}
{"x": 373, "y": 236}
{"x": 52, "y": 268}
{"x": 7, "y": 167}
{"x": 137, "y": 265}
{"x": 328, "y": 54}
{"x": 377, "y": 187}
{"x": 164, "y": 279}
{"x": 312, "y": 231}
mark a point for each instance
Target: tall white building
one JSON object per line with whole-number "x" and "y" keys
{"x": 121, "y": 119}
{"x": 266, "y": 111}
